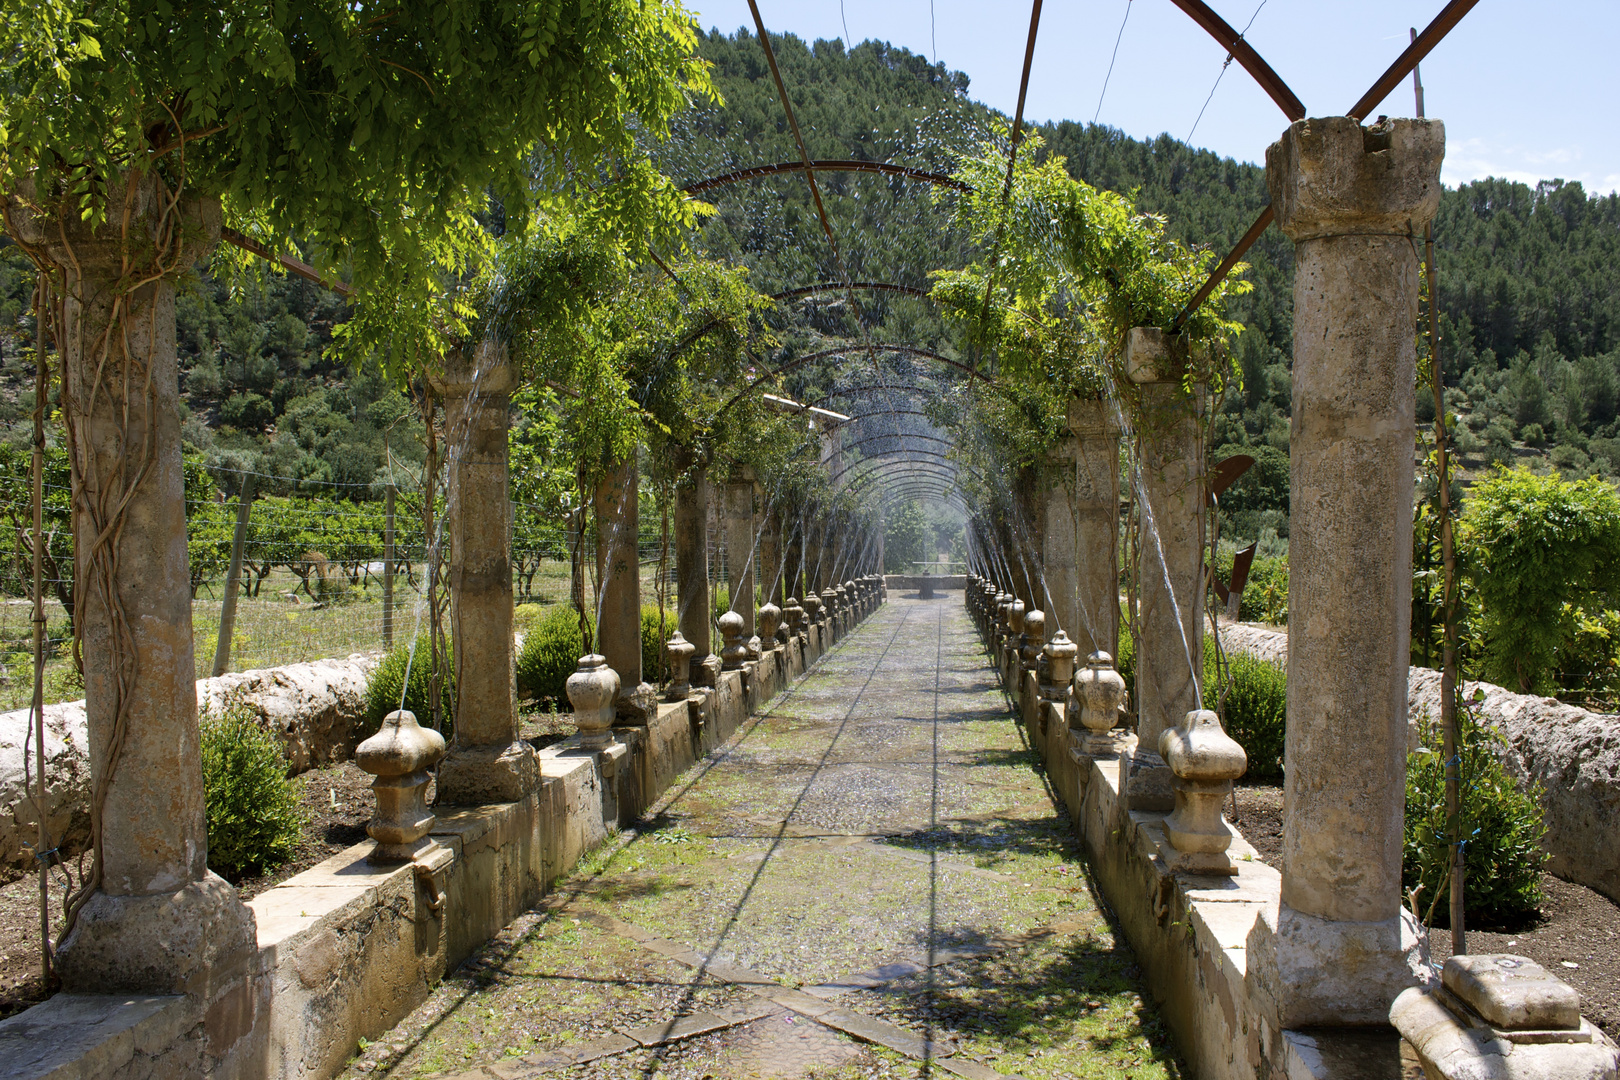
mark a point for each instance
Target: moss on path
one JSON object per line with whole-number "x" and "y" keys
{"x": 880, "y": 844}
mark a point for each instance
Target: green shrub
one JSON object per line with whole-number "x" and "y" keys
{"x": 652, "y": 645}
{"x": 1538, "y": 549}
{"x": 1265, "y": 598}
{"x": 1501, "y": 825}
{"x": 551, "y": 652}
{"x": 1256, "y": 709}
{"x": 382, "y": 692}
{"x": 254, "y": 817}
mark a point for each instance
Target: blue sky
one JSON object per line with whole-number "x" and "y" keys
{"x": 1527, "y": 91}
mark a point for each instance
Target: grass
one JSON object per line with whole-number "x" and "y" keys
{"x": 270, "y": 630}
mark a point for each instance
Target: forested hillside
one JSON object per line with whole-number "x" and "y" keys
{"x": 1530, "y": 296}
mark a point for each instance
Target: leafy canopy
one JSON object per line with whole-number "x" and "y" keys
{"x": 1537, "y": 549}
{"x": 367, "y": 134}
{"x": 1068, "y": 269}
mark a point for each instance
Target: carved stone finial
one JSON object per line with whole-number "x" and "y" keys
{"x": 1204, "y": 760}
{"x": 1101, "y": 692}
{"x": 680, "y": 666}
{"x": 399, "y": 755}
{"x": 769, "y": 618}
{"x": 1060, "y": 653}
{"x": 591, "y": 690}
{"x": 735, "y": 652}
{"x": 1034, "y": 638}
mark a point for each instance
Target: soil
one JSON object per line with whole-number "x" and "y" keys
{"x": 1576, "y": 936}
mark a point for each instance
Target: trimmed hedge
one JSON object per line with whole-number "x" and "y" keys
{"x": 553, "y": 646}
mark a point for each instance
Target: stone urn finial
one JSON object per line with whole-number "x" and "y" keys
{"x": 769, "y": 618}
{"x": 1015, "y": 616}
{"x": 735, "y": 651}
{"x": 812, "y": 608}
{"x": 680, "y": 666}
{"x": 829, "y": 602}
{"x": 1034, "y": 637}
{"x": 1204, "y": 760}
{"x": 592, "y": 690}
{"x": 792, "y": 619}
{"x": 1060, "y": 653}
{"x": 1101, "y": 691}
{"x": 399, "y": 756}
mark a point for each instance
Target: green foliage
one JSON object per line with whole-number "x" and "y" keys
{"x": 383, "y": 691}
{"x": 652, "y": 641}
{"x": 1501, "y": 826}
{"x": 254, "y": 816}
{"x": 904, "y": 537}
{"x": 371, "y": 136}
{"x": 551, "y": 652}
{"x": 1537, "y": 549}
{"x": 1265, "y": 598}
{"x": 1256, "y": 709}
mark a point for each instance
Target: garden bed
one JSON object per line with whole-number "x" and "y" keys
{"x": 1577, "y": 926}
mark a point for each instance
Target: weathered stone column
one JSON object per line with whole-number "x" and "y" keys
{"x": 692, "y": 562}
{"x": 1351, "y": 199}
{"x": 160, "y": 921}
{"x": 487, "y": 762}
{"x": 1170, "y": 654}
{"x": 770, "y": 561}
{"x": 740, "y": 556}
{"x": 1095, "y": 521}
{"x": 618, "y": 575}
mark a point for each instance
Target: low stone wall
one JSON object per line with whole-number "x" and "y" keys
{"x": 1572, "y": 753}
{"x": 1189, "y": 933}
{"x": 347, "y": 949}
{"x": 317, "y": 709}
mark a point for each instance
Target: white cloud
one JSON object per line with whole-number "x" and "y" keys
{"x": 1475, "y": 159}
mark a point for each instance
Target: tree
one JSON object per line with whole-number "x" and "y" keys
{"x": 1538, "y": 550}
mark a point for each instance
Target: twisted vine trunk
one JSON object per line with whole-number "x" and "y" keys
{"x": 113, "y": 322}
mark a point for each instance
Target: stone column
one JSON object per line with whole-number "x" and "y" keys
{"x": 1351, "y": 198}
{"x": 487, "y": 762}
{"x": 793, "y": 566}
{"x": 1096, "y": 526}
{"x": 740, "y": 554}
{"x": 618, "y": 576}
{"x": 160, "y": 922}
{"x": 1170, "y": 654}
{"x": 770, "y": 561}
{"x": 692, "y": 562}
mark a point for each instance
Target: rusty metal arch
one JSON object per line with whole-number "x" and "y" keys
{"x": 823, "y": 165}
{"x": 799, "y": 361}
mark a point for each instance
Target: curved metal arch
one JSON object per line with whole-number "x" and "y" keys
{"x": 879, "y": 457}
{"x": 824, "y": 165}
{"x": 799, "y": 361}
{"x": 922, "y": 466}
{"x": 1244, "y": 53}
{"x": 919, "y": 466}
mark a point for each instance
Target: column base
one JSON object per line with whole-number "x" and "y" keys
{"x": 1305, "y": 971}
{"x": 477, "y": 775}
{"x": 195, "y": 941}
{"x": 1146, "y": 781}
{"x": 1104, "y": 745}
{"x": 706, "y": 672}
{"x": 637, "y": 706}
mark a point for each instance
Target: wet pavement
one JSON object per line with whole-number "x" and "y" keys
{"x": 869, "y": 880}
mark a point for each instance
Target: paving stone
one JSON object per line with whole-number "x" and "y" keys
{"x": 682, "y": 1027}
{"x": 892, "y": 1036}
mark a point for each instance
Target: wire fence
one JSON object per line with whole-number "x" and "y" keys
{"x": 314, "y": 579}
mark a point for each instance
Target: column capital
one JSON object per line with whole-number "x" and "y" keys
{"x": 485, "y": 370}
{"x": 1330, "y": 176}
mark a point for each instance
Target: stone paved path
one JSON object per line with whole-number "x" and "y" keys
{"x": 867, "y": 881}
